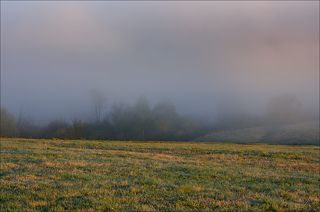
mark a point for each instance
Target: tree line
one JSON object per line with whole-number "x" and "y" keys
{"x": 140, "y": 121}
{"x": 124, "y": 122}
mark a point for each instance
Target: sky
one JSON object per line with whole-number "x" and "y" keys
{"x": 203, "y": 56}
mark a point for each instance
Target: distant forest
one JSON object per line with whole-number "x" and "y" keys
{"x": 124, "y": 122}
{"x": 140, "y": 121}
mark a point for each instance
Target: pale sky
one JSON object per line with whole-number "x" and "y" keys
{"x": 200, "y": 55}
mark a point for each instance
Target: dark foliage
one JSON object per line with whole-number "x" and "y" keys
{"x": 124, "y": 122}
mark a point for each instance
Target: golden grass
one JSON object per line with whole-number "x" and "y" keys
{"x": 64, "y": 175}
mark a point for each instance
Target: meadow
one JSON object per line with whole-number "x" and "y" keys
{"x": 56, "y": 175}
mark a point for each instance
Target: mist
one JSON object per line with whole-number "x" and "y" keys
{"x": 212, "y": 60}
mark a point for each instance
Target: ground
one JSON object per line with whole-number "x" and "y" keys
{"x": 147, "y": 176}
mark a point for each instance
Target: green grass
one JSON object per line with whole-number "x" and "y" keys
{"x": 146, "y": 176}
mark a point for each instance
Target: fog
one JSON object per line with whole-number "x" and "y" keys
{"x": 208, "y": 58}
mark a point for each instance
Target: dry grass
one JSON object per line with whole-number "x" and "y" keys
{"x": 152, "y": 176}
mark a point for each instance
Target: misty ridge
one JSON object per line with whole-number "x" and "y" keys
{"x": 285, "y": 120}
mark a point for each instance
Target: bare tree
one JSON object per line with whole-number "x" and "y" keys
{"x": 143, "y": 116}
{"x": 8, "y": 125}
{"x": 99, "y": 101}
{"x": 26, "y": 126}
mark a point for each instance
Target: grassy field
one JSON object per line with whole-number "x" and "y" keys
{"x": 147, "y": 176}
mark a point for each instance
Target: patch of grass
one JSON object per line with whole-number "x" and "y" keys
{"x": 151, "y": 176}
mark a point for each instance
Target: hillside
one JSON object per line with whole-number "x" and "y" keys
{"x": 71, "y": 175}
{"x": 302, "y": 133}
